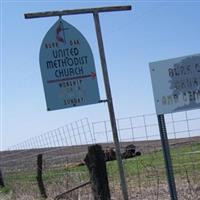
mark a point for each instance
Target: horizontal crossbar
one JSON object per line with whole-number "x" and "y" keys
{"x": 76, "y": 11}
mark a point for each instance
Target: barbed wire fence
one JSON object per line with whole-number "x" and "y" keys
{"x": 64, "y": 149}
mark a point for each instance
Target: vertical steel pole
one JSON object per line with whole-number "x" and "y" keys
{"x": 167, "y": 157}
{"x": 110, "y": 105}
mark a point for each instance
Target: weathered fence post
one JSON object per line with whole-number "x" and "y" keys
{"x": 39, "y": 177}
{"x": 96, "y": 164}
{"x": 1, "y": 180}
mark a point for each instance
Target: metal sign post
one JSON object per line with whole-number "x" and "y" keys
{"x": 110, "y": 104}
{"x": 95, "y": 12}
{"x": 167, "y": 157}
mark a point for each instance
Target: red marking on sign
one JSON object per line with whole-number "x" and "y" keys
{"x": 58, "y": 37}
{"x": 92, "y": 75}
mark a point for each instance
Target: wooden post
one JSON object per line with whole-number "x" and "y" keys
{"x": 39, "y": 177}
{"x": 1, "y": 180}
{"x": 96, "y": 165}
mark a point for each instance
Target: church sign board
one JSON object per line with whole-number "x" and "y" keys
{"x": 176, "y": 84}
{"x": 67, "y": 68}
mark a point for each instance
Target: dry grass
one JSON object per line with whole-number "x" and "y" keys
{"x": 149, "y": 184}
{"x": 147, "y": 192}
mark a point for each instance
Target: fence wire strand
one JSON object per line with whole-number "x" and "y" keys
{"x": 65, "y": 148}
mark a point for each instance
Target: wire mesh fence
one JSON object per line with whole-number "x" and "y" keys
{"x": 64, "y": 150}
{"x": 145, "y": 174}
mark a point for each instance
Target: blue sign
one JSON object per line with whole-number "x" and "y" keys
{"x": 67, "y": 68}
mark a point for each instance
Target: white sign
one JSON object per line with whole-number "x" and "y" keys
{"x": 176, "y": 84}
{"x": 67, "y": 68}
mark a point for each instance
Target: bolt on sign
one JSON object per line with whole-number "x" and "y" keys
{"x": 67, "y": 68}
{"x": 176, "y": 84}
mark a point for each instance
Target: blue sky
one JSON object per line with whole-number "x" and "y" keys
{"x": 153, "y": 30}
